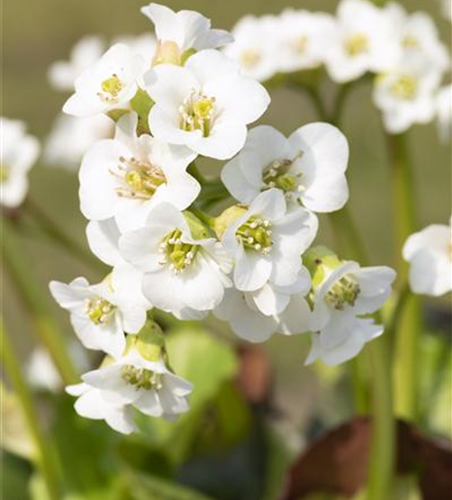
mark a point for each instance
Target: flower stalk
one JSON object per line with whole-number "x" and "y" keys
{"x": 410, "y": 323}
{"x": 33, "y": 298}
{"x": 43, "y": 453}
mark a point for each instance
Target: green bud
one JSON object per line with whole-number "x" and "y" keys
{"x": 150, "y": 341}
{"x": 317, "y": 260}
{"x": 226, "y": 218}
{"x": 197, "y": 229}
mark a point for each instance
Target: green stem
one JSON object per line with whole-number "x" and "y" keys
{"x": 44, "y": 453}
{"x": 52, "y": 231}
{"x": 202, "y": 216}
{"x": 34, "y": 299}
{"x": 194, "y": 171}
{"x": 382, "y": 456}
{"x": 410, "y": 325}
{"x": 382, "y": 459}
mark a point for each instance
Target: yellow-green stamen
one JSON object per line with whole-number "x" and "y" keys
{"x": 197, "y": 113}
{"x": 344, "y": 291}
{"x": 405, "y": 87}
{"x": 99, "y": 310}
{"x": 176, "y": 253}
{"x": 141, "y": 378}
{"x": 356, "y": 44}
{"x": 278, "y": 175}
{"x": 141, "y": 179}
{"x": 110, "y": 89}
{"x": 256, "y": 234}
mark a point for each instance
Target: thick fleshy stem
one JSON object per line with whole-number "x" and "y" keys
{"x": 410, "y": 323}
{"x": 44, "y": 452}
{"x": 35, "y": 301}
{"x": 382, "y": 453}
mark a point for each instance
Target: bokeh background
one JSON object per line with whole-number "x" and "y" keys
{"x": 36, "y": 33}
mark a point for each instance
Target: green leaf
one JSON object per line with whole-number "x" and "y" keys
{"x": 207, "y": 363}
{"x": 142, "y": 104}
{"x": 151, "y": 488}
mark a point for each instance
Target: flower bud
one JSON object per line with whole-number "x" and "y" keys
{"x": 167, "y": 52}
{"x": 318, "y": 261}
{"x": 226, "y": 218}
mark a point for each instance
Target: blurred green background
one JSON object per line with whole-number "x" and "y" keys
{"x": 36, "y": 33}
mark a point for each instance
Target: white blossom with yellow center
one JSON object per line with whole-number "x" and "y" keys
{"x": 180, "y": 271}
{"x": 126, "y": 176}
{"x": 308, "y": 167}
{"x": 110, "y": 83}
{"x": 205, "y": 105}
{"x": 130, "y": 381}
{"x": 18, "y": 153}
{"x": 100, "y": 314}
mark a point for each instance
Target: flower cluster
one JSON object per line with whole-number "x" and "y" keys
{"x": 401, "y": 50}
{"x": 18, "y": 153}
{"x": 149, "y": 211}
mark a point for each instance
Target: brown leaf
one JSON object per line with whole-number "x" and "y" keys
{"x": 337, "y": 462}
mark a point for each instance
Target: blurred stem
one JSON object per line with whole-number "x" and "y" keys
{"x": 382, "y": 453}
{"x": 52, "y": 231}
{"x": 406, "y": 370}
{"x": 44, "y": 455}
{"x": 383, "y": 438}
{"x": 35, "y": 301}
{"x": 202, "y": 216}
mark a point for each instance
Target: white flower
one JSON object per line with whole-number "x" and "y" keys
{"x": 359, "y": 332}
{"x": 181, "y": 269}
{"x": 303, "y": 39}
{"x": 267, "y": 241}
{"x": 103, "y": 240}
{"x": 72, "y": 136}
{"x": 255, "y": 47}
{"x": 91, "y": 403}
{"x": 308, "y": 167}
{"x": 144, "y": 44}
{"x": 429, "y": 253}
{"x": 444, "y": 112}
{"x": 18, "y": 153}
{"x": 406, "y": 94}
{"x": 62, "y": 74}
{"x": 110, "y": 83}
{"x": 362, "y": 41}
{"x": 131, "y": 381}
{"x": 205, "y": 105}
{"x": 346, "y": 291}
{"x": 100, "y": 314}
{"x": 286, "y": 311}
{"x": 418, "y": 36}
{"x": 125, "y": 177}
{"x": 187, "y": 29}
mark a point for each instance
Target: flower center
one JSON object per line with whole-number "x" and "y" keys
{"x": 110, "y": 89}
{"x": 99, "y": 310}
{"x": 356, "y": 44}
{"x": 250, "y": 58}
{"x": 344, "y": 291}
{"x": 139, "y": 179}
{"x": 405, "y": 87}
{"x": 256, "y": 234}
{"x": 4, "y": 173}
{"x": 278, "y": 175}
{"x": 299, "y": 45}
{"x": 410, "y": 42}
{"x": 176, "y": 253}
{"x": 141, "y": 378}
{"x": 197, "y": 113}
